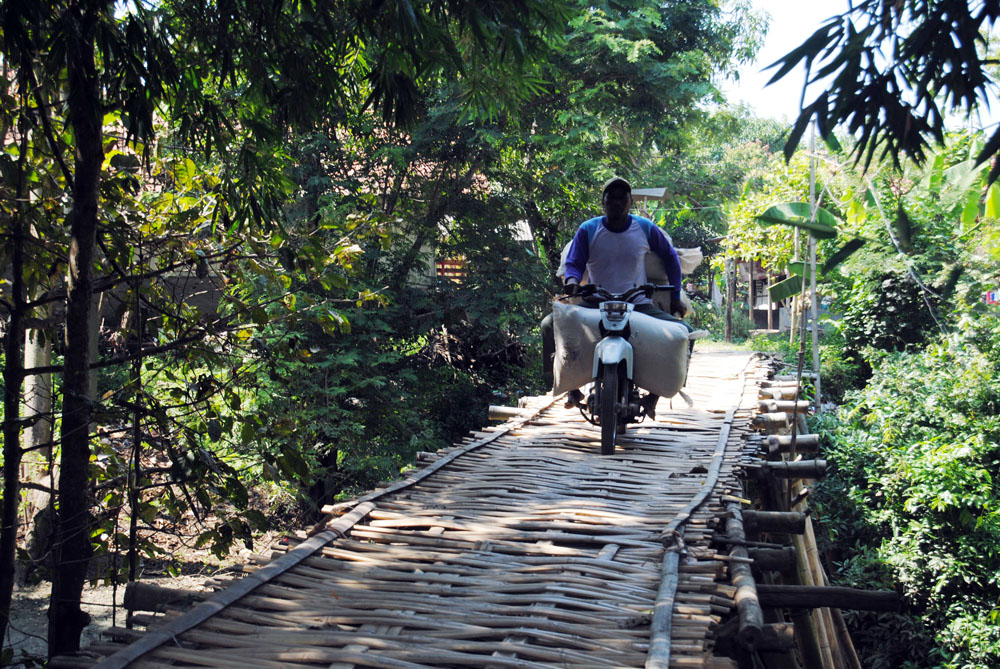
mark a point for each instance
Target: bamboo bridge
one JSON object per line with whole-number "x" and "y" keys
{"x": 523, "y": 547}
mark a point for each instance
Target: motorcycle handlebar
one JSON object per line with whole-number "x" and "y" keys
{"x": 590, "y": 290}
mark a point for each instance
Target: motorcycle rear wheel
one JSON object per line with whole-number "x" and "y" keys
{"x": 609, "y": 408}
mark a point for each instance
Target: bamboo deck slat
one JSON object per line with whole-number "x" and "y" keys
{"x": 520, "y": 547}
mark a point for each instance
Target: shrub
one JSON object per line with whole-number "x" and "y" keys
{"x": 887, "y": 312}
{"x": 915, "y": 495}
{"x": 706, "y": 316}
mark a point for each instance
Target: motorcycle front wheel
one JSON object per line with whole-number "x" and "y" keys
{"x": 610, "y": 389}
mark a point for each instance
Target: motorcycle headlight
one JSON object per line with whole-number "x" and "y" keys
{"x": 614, "y": 308}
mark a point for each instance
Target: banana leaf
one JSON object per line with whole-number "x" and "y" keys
{"x": 842, "y": 254}
{"x": 785, "y": 289}
{"x": 798, "y": 214}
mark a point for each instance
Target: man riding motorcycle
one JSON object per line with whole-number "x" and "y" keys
{"x": 612, "y": 250}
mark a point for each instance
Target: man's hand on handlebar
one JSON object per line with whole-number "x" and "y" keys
{"x": 571, "y": 287}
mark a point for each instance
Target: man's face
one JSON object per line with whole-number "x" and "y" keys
{"x": 617, "y": 201}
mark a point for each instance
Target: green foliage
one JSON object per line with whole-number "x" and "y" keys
{"x": 914, "y": 494}
{"x": 840, "y": 372}
{"x": 886, "y": 311}
{"x": 770, "y": 183}
{"x": 629, "y": 83}
{"x": 706, "y": 316}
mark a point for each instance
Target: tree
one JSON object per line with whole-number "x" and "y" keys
{"x": 233, "y": 75}
{"x": 896, "y": 70}
{"x": 628, "y": 86}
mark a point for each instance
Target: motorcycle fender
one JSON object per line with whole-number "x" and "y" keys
{"x": 611, "y": 351}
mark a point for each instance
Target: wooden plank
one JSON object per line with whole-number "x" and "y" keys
{"x": 224, "y": 598}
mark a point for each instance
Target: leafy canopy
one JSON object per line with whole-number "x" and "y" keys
{"x": 896, "y": 69}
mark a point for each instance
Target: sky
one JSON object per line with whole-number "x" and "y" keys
{"x": 792, "y": 21}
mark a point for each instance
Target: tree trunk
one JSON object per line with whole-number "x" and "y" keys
{"x": 36, "y": 441}
{"x": 38, "y": 390}
{"x": 13, "y": 377}
{"x": 72, "y": 545}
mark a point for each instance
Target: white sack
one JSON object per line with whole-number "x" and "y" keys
{"x": 577, "y": 331}
{"x": 660, "y": 354}
{"x": 690, "y": 259}
{"x": 655, "y": 273}
{"x": 660, "y": 350}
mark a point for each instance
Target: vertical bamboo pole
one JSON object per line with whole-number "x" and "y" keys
{"x": 819, "y": 579}
{"x": 730, "y": 296}
{"x": 814, "y": 205}
{"x": 806, "y": 629}
{"x": 770, "y": 305}
{"x": 815, "y": 322}
{"x": 816, "y": 628}
{"x": 792, "y": 319}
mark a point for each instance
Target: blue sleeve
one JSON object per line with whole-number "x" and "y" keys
{"x": 659, "y": 245}
{"x": 579, "y": 254}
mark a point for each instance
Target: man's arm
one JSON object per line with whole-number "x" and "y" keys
{"x": 579, "y": 254}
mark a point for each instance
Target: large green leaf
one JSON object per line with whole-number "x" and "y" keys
{"x": 798, "y": 214}
{"x": 961, "y": 177}
{"x": 833, "y": 143}
{"x": 800, "y": 268}
{"x": 993, "y": 201}
{"x": 904, "y": 229}
{"x": 856, "y": 213}
{"x": 935, "y": 175}
{"x": 185, "y": 172}
{"x": 971, "y": 209}
{"x": 785, "y": 289}
{"x": 842, "y": 254}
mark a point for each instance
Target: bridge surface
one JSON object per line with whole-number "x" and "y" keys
{"x": 520, "y": 547}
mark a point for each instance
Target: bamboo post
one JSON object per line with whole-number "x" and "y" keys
{"x": 844, "y": 641}
{"x": 819, "y": 578}
{"x": 780, "y": 522}
{"x": 771, "y": 422}
{"x": 806, "y": 443}
{"x": 778, "y": 392}
{"x": 747, "y": 603}
{"x": 497, "y": 412}
{"x": 814, "y": 206}
{"x": 825, "y": 596}
{"x": 815, "y": 646}
{"x": 781, "y": 560}
{"x": 787, "y": 406}
{"x": 800, "y": 469}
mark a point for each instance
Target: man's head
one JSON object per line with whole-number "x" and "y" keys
{"x": 617, "y": 199}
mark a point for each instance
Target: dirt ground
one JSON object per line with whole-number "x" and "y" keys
{"x": 29, "y": 623}
{"x": 29, "y": 607}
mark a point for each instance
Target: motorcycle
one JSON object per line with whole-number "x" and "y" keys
{"x": 631, "y": 351}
